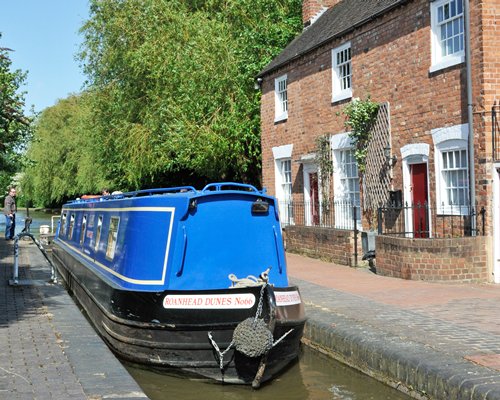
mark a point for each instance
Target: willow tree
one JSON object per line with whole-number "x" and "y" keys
{"x": 173, "y": 84}
{"x": 61, "y": 161}
{"x": 14, "y": 125}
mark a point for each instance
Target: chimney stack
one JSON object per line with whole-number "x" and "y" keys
{"x": 311, "y": 9}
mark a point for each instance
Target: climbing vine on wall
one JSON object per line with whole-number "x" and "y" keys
{"x": 361, "y": 115}
{"x": 325, "y": 167}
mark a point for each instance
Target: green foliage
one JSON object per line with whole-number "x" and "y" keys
{"x": 361, "y": 114}
{"x": 60, "y": 158}
{"x": 325, "y": 167}
{"x": 170, "y": 97}
{"x": 15, "y": 127}
{"x": 172, "y": 85}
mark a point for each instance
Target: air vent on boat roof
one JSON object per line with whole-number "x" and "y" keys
{"x": 260, "y": 207}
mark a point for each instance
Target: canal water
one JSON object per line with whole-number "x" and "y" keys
{"x": 314, "y": 377}
{"x": 38, "y": 218}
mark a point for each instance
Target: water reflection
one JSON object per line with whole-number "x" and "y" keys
{"x": 38, "y": 218}
{"x": 315, "y": 377}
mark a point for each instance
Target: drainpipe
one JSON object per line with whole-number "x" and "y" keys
{"x": 470, "y": 115}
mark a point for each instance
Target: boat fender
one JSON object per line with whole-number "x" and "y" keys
{"x": 252, "y": 337}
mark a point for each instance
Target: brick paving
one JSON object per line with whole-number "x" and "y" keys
{"x": 432, "y": 340}
{"x": 48, "y": 350}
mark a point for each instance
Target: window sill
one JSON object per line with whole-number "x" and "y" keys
{"x": 448, "y": 211}
{"x": 281, "y": 118}
{"x": 449, "y": 62}
{"x": 342, "y": 96}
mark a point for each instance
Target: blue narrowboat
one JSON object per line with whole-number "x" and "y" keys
{"x": 185, "y": 279}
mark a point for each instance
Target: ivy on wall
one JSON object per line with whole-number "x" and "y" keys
{"x": 325, "y": 167}
{"x": 361, "y": 115}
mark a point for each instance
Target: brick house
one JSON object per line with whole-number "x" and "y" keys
{"x": 435, "y": 133}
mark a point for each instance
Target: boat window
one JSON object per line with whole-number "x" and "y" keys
{"x": 98, "y": 233}
{"x": 83, "y": 230}
{"x": 63, "y": 225}
{"x": 71, "y": 226}
{"x": 112, "y": 237}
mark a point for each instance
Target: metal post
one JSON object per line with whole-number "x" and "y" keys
{"x": 355, "y": 235}
{"x": 15, "y": 272}
{"x": 379, "y": 220}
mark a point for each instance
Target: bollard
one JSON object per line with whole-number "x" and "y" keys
{"x": 15, "y": 272}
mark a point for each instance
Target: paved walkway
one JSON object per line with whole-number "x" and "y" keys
{"x": 48, "y": 350}
{"x": 440, "y": 341}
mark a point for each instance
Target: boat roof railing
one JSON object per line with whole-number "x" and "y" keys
{"x": 149, "y": 192}
{"x": 212, "y": 187}
{"x": 217, "y": 187}
{"x": 144, "y": 192}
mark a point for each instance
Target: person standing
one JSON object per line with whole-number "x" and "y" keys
{"x": 9, "y": 211}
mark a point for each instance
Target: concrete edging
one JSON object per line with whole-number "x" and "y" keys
{"x": 415, "y": 369}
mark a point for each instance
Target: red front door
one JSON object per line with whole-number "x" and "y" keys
{"x": 420, "y": 200}
{"x": 313, "y": 186}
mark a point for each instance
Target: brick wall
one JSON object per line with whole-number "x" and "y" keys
{"x": 326, "y": 243}
{"x": 391, "y": 57}
{"x": 444, "y": 260}
{"x": 390, "y": 61}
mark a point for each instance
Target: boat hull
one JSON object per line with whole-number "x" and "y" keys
{"x": 143, "y": 327}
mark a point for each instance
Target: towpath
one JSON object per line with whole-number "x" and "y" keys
{"x": 440, "y": 341}
{"x": 48, "y": 350}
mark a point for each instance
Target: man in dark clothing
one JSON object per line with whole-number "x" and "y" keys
{"x": 9, "y": 211}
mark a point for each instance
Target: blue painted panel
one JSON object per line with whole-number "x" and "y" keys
{"x": 221, "y": 237}
{"x": 164, "y": 243}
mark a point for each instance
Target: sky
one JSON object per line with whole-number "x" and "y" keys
{"x": 43, "y": 35}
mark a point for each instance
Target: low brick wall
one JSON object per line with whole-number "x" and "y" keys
{"x": 326, "y": 243}
{"x": 455, "y": 259}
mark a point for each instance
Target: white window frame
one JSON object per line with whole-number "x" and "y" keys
{"x": 280, "y": 154}
{"x": 342, "y": 79}
{"x": 100, "y": 220}
{"x": 341, "y": 143}
{"x": 439, "y": 61}
{"x": 281, "y": 98}
{"x": 447, "y": 140}
{"x": 310, "y": 168}
{"x": 71, "y": 226}
{"x": 83, "y": 229}
{"x": 285, "y": 170}
{"x": 62, "y": 229}
{"x": 114, "y": 227}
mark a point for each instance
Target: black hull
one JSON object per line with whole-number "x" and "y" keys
{"x": 139, "y": 329}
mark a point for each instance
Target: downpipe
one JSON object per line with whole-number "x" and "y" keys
{"x": 470, "y": 114}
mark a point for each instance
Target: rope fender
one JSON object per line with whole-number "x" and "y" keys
{"x": 252, "y": 336}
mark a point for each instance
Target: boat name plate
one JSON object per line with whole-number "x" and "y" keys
{"x": 210, "y": 301}
{"x": 287, "y": 298}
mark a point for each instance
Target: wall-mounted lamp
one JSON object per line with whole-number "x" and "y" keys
{"x": 258, "y": 84}
{"x": 389, "y": 159}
